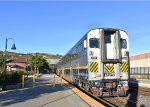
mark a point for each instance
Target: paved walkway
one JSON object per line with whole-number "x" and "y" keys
{"x": 43, "y": 94}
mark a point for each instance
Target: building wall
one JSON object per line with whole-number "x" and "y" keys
{"x": 16, "y": 66}
{"x": 140, "y": 64}
{"x": 140, "y": 60}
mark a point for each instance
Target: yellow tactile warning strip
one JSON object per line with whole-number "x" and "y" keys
{"x": 108, "y": 68}
{"x": 124, "y": 67}
{"x": 94, "y": 66}
{"x": 86, "y": 98}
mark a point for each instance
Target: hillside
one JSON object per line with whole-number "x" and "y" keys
{"x": 45, "y": 55}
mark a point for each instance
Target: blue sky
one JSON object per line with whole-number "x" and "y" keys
{"x": 54, "y": 27}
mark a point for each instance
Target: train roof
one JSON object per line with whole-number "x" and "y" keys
{"x": 88, "y": 32}
{"x": 107, "y": 29}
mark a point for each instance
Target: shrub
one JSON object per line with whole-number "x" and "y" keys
{"x": 12, "y": 77}
{"x": 29, "y": 73}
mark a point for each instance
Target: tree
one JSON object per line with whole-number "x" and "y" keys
{"x": 39, "y": 62}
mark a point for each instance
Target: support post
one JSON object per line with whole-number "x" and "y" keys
{"x": 54, "y": 81}
{"x": 22, "y": 81}
{"x": 33, "y": 80}
{"x": 61, "y": 79}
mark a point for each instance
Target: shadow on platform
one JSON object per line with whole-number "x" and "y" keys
{"x": 21, "y": 95}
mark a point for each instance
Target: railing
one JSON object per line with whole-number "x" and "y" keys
{"x": 140, "y": 71}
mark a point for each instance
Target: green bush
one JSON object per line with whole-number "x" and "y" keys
{"x": 29, "y": 73}
{"x": 12, "y": 77}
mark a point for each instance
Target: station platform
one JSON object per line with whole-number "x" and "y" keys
{"x": 47, "y": 94}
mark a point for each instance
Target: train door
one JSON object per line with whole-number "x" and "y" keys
{"x": 110, "y": 53}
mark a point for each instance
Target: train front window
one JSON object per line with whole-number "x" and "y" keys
{"x": 94, "y": 43}
{"x": 123, "y": 43}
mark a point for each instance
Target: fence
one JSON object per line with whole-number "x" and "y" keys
{"x": 140, "y": 71}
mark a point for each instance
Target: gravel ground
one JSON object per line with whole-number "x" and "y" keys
{"x": 141, "y": 99}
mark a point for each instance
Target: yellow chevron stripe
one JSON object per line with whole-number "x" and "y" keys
{"x": 91, "y": 64}
{"x": 94, "y": 66}
{"x": 123, "y": 64}
{"x": 106, "y": 69}
{"x": 109, "y": 68}
{"x": 124, "y": 67}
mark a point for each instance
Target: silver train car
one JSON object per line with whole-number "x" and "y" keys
{"x": 98, "y": 62}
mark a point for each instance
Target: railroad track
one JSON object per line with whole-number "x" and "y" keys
{"x": 113, "y": 101}
{"x": 121, "y": 102}
{"x": 110, "y": 101}
{"x": 139, "y": 90}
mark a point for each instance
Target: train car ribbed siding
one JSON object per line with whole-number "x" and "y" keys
{"x": 124, "y": 67}
{"x": 109, "y": 68}
{"x": 94, "y": 66}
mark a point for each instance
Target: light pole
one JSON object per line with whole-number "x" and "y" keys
{"x": 4, "y": 72}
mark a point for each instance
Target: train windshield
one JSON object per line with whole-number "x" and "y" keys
{"x": 123, "y": 43}
{"x": 94, "y": 43}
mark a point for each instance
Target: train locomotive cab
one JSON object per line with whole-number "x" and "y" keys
{"x": 108, "y": 61}
{"x": 98, "y": 62}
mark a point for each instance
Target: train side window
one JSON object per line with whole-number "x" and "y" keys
{"x": 123, "y": 43}
{"x": 94, "y": 43}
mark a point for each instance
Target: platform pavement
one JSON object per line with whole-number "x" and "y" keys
{"x": 141, "y": 82}
{"x": 43, "y": 94}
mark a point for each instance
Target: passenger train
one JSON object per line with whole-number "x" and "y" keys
{"x": 98, "y": 62}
